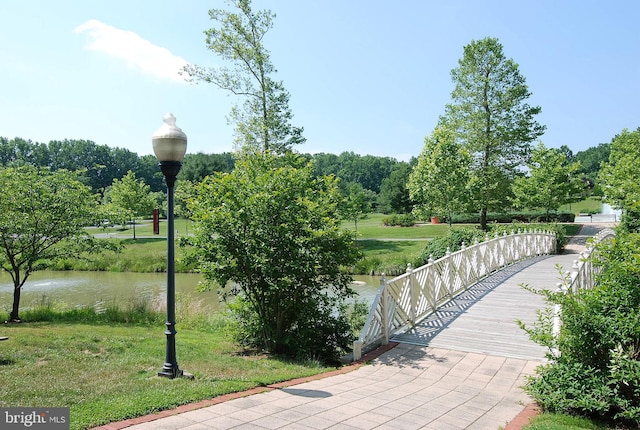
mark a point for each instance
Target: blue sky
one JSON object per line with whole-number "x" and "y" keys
{"x": 370, "y": 76}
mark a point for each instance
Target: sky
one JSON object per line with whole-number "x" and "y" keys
{"x": 367, "y": 76}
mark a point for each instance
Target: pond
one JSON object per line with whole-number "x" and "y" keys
{"x": 101, "y": 289}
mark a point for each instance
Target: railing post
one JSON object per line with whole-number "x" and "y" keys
{"x": 476, "y": 250}
{"x": 449, "y": 282}
{"x": 429, "y": 285}
{"x": 575, "y": 272}
{"x": 357, "y": 350}
{"x": 413, "y": 295}
{"x": 463, "y": 269}
{"x": 557, "y": 311}
{"x": 384, "y": 305}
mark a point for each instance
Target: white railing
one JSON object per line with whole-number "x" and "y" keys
{"x": 407, "y": 299}
{"x": 583, "y": 276}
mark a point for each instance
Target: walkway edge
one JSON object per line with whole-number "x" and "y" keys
{"x": 523, "y": 418}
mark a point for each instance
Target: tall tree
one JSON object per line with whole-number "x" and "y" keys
{"x": 438, "y": 184}
{"x": 270, "y": 231}
{"x": 620, "y": 177}
{"x": 551, "y": 181}
{"x": 490, "y": 116}
{"x": 263, "y": 121}
{"x": 132, "y": 195}
{"x": 38, "y": 210}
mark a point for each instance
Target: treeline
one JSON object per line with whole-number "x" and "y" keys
{"x": 384, "y": 177}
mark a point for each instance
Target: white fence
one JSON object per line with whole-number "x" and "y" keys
{"x": 582, "y": 276}
{"x": 407, "y": 299}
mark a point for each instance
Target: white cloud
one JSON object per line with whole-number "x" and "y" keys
{"x": 139, "y": 53}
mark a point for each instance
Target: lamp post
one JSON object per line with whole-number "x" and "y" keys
{"x": 170, "y": 145}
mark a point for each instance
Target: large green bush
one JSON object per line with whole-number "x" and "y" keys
{"x": 437, "y": 248}
{"x": 269, "y": 234}
{"x": 598, "y": 370}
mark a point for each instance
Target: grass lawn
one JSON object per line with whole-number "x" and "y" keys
{"x": 144, "y": 228}
{"x": 590, "y": 205}
{"x": 373, "y": 228}
{"x": 564, "y": 422}
{"x": 107, "y": 373}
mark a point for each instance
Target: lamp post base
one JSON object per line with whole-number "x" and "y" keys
{"x": 171, "y": 373}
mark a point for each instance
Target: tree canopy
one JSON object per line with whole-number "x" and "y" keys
{"x": 39, "y": 208}
{"x": 552, "y": 181}
{"x": 133, "y": 196}
{"x": 263, "y": 122}
{"x": 490, "y": 116}
{"x": 620, "y": 177}
{"x": 438, "y": 184}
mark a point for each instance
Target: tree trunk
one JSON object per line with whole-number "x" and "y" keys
{"x": 16, "y": 305}
{"x": 483, "y": 219}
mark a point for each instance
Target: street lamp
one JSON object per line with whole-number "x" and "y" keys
{"x": 170, "y": 145}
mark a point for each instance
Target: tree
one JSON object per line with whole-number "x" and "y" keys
{"x": 269, "y": 233}
{"x": 263, "y": 121}
{"x": 550, "y": 183}
{"x": 147, "y": 169}
{"x": 39, "y": 209}
{"x": 620, "y": 177}
{"x": 591, "y": 161}
{"x": 356, "y": 203}
{"x": 394, "y": 193}
{"x": 490, "y": 116}
{"x": 196, "y": 167}
{"x": 439, "y": 182}
{"x": 132, "y": 195}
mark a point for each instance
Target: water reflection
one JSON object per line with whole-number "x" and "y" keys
{"x": 71, "y": 289}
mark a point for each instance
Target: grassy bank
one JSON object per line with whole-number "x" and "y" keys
{"x": 107, "y": 372}
{"x": 386, "y": 249}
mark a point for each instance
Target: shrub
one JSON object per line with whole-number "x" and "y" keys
{"x": 402, "y": 220}
{"x": 331, "y": 323}
{"x": 509, "y": 217}
{"x": 437, "y": 248}
{"x": 598, "y": 370}
{"x": 558, "y": 229}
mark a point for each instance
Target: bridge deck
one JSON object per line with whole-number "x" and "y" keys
{"x": 483, "y": 319}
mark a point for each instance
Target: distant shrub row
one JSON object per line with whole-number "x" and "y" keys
{"x": 510, "y": 217}
{"x": 408, "y": 220}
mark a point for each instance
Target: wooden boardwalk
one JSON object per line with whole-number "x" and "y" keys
{"x": 483, "y": 319}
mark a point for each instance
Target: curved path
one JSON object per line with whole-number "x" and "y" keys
{"x": 466, "y": 377}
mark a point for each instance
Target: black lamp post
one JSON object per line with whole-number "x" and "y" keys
{"x": 170, "y": 145}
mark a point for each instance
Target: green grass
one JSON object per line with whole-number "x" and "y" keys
{"x": 565, "y": 422}
{"x": 107, "y": 373}
{"x": 590, "y": 205}
{"x": 388, "y": 256}
{"x": 144, "y": 228}
{"x": 373, "y": 228}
